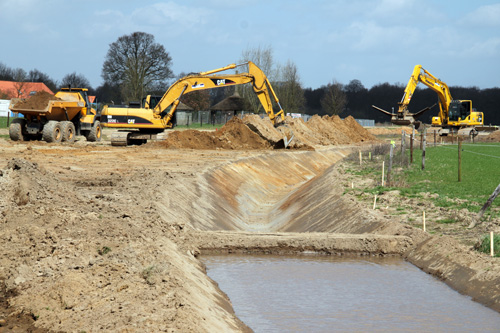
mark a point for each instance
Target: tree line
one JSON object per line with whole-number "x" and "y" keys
{"x": 135, "y": 65}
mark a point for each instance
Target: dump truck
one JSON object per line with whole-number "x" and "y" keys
{"x": 139, "y": 122}
{"x": 55, "y": 118}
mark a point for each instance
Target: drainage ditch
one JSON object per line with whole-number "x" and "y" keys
{"x": 324, "y": 293}
{"x": 284, "y": 203}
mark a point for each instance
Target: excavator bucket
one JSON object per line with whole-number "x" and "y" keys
{"x": 287, "y": 141}
{"x": 405, "y": 117}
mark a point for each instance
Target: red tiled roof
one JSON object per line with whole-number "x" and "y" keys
{"x": 22, "y": 89}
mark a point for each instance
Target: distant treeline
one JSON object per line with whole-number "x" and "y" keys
{"x": 387, "y": 96}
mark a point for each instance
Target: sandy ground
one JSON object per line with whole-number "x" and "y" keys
{"x": 106, "y": 238}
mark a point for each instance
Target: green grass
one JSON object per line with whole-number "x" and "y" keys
{"x": 479, "y": 177}
{"x": 446, "y": 221}
{"x": 3, "y": 122}
{"x": 104, "y": 250}
{"x": 484, "y": 245}
{"x": 197, "y": 126}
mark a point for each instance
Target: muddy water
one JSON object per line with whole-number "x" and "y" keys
{"x": 324, "y": 294}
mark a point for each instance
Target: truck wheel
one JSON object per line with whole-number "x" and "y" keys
{"x": 52, "y": 131}
{"x": 68, "y": 131}
{"x": 16, "y": 129}
{"x": 95, "y": 132}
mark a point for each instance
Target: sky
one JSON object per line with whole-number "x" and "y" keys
{"x": 374, "y": 41}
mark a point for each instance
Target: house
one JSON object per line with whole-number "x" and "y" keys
{"x": 184, "y": 114}
{"x": 10, "y": 89}
{"x": 226, "y": 109}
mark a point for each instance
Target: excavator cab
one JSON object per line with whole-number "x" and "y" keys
{"x": 459, "y": 110}
{"x": 150, "y": 101}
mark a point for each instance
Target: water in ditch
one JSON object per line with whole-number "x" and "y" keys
{"x": 325, "y": 293}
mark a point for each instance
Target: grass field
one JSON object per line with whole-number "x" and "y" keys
{"x": 479, "y": 177}
{"x": 3, "y": 122}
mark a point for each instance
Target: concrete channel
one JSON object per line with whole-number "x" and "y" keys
{"x": 294, "y": 203}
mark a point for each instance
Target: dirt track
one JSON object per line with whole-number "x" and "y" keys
{"x": 103, "y": 238}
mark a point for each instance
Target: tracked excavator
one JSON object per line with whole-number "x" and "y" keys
{"x": 155, "y": 114}
{"x": 454, "y": 115}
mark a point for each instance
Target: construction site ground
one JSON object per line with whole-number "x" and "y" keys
{"x": 96, "y": 237}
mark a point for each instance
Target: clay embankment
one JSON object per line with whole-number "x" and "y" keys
{"x": 316, "y": 208}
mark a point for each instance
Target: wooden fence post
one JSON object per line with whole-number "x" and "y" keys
{"x": 423, "y": 220}
{"x": 389, "y": 168}
{"x": 411, "y": 148}
{"x": 459, "y": 160}
{"x": 422, "y": 139}
{"x": 423, "y": 146}
{"x": 485, "y": 206}
{"x": 403, "y": 148}
{"x": 383, "y": 165}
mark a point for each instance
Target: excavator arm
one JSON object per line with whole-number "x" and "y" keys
{"x": 454, "y": 115}
{"x": 441, "y": 88}
{"x": 419, "y": 74}
{"x": 210, "y": 80}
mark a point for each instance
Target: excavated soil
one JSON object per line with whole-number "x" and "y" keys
{"x": 396, "y": 130}
{"x": 38, "y": 101}
{"x": 101, "y": 238}
{"x": 254, "y": 132}
{"x": 493, "y": 137}
{"x": 233, "y": 135}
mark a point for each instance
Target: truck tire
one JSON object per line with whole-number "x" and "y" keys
{"x": 95, "y": 132}
{"x": 52, "y": 131}
{"x": 16, "y": 129}
{"x": 68, "y": 131}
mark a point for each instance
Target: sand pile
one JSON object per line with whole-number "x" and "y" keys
{"x": 234, "y": 135}
{"x": 391, "y": 130}
{"x": 493, "y": 137}
{"x": 254, "y": 132}
{"x": 38, "y": 101}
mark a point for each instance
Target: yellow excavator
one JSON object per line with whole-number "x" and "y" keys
{"x": 138, "y": 123}
{"x": 454, "y": 115}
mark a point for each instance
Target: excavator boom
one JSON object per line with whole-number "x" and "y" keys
{"x": 209, "y": 80}
{"x": 454, "y": 114}
{"x": 151, "y": 119}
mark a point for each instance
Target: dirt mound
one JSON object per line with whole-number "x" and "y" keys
{"x": 390, "y": 130}
{"x": 264, "y": 128}
{"x": 254, "y": 132}
{"x": 303, "y": 134}
{"x": 234, "y": 135}
{"x": 38, "y": 101}
{"x": 323, "y": 126}
{"x": 493, "y": 137}
{"x": 357, "y": 132}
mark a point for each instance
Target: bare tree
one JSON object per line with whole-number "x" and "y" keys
{"x": 20, "y": 77}
{"x": 75, "y": 81}
{"x": 289, "y": 89}
{"x": 6, "y": 73}
{"x": 35, "y": 75}
{"x": 334, "y": 100}
{"x": 263, "y": 58}
{"x": 136, "y": 63}
{"x": 198, "y": 100}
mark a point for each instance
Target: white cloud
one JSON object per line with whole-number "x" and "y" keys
{"x": 370, "y": 36}
{"x": 170, "y": 12}
{"x": 485, "y": 16}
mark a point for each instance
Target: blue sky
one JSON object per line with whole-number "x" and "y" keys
{"x": 372, "y": 41}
